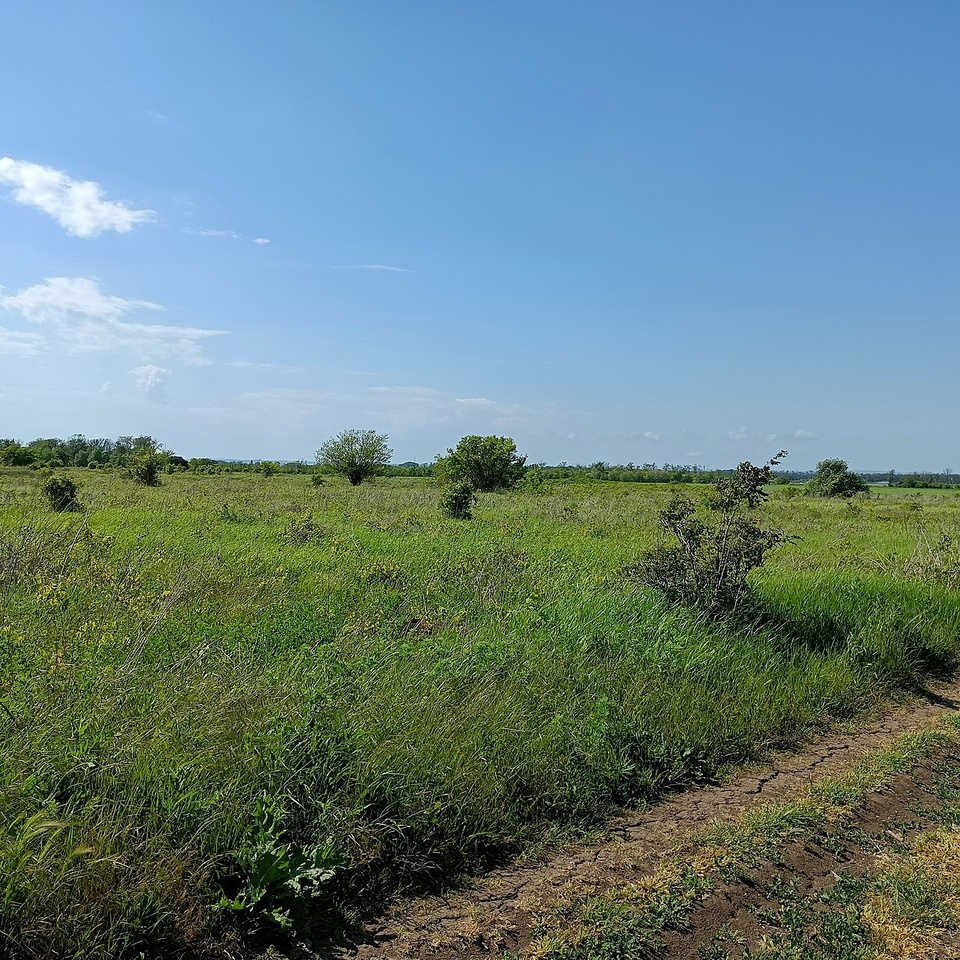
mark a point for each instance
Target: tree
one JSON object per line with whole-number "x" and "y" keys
{"x": 833, "y": 479}
{"x": 14, "y": 454}
{"x": 356, "y": 454}
{"x": 487, "y": 463}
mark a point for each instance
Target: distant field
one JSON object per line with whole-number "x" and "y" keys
{"x": 916, "y": 491}
{"x": 226, "y": 693}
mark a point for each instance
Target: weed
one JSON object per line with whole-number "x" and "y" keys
{"x": 278, "y": 881}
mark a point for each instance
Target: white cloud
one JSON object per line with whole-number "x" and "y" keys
{"x": 742, "y": 433}
{"x": 650, "y": 435}
{"x": 151, "y": 380}
{"x": 77, "y": 205}
{"x": 57, "y": 297}
{"x": 77, "y": 315}
{"x": 805, "y": 435}
{"x": 20, "y": 344}
{"x": 476, "y": 401}
{"x": 262, "y": 241}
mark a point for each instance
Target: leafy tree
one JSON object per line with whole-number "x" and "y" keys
{"x": 707, "y": 568}
{"x": 355, "y": 454}
{"x": 486, "y": 463}
{"x": 833, "y": 479}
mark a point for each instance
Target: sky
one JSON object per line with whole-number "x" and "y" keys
{"x": 667, "y": 231}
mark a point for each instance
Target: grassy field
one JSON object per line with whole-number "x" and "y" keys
{"x": 233, "y": 704}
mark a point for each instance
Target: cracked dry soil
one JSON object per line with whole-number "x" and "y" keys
{"x": 496, "y": 914}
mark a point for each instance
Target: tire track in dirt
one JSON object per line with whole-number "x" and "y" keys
{"x": 496, "y": 913}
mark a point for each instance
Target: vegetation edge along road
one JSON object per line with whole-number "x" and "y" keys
{"x": 632, "y": 892}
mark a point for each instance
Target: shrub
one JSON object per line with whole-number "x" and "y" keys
{"x": 833, "y": 479}
{"x": 355, "y": 454}
{"x": 486, "y": 463}
{"x": 708, "y": 567}
{"x": 61, "y": 493}
{"x": 458, "y": 499}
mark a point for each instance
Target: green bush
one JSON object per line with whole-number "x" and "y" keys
{"x": 145, "y": 468}
{"x": 61, "y": 493}
{"x": 458, "y": 499}
{"x": 833, "y": 479}
{"x": 707, "y": 568}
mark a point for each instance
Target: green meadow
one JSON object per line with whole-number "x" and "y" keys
{"x": 236, "y": 707}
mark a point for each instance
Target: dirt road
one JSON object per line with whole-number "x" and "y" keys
{"x": 503, "y": 913}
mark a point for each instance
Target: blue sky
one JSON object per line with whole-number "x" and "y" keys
{"x": 686, "y": 232}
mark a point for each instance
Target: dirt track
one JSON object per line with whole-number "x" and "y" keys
{"x": 497, "y": 913}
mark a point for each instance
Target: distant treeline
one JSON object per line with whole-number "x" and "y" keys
{"x": 79, "y": 451}
{"x": 76, "y": 451}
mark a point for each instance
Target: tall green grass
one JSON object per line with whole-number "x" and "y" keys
{"x": 414, "y": 693}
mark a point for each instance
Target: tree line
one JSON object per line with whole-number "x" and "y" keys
{"x": 79, "y": 451}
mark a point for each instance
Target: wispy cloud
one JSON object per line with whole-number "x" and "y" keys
{"x": 14, "y": 343}
{"x": 218, "y": 234}
{"x": 395, "y": 407}
{"x": 741, "y": 433}
{"x": 805, "y": 435}
{"x": 381, "y": 267}
{"x": 406, "y": 391}
{"x": 152, "y": 380}
{"x": 254, "y": 365}
{"x": 74, "y": 313}
{"x": 224, "y": 235}
{"x": 650, "y": 435}
{"x": 77, "y": 205}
